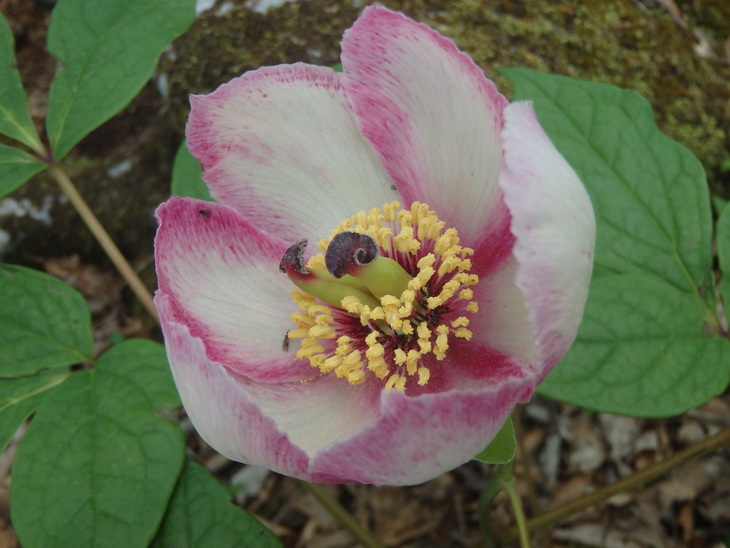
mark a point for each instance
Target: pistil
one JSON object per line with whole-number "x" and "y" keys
{"x": 320, "y": 283}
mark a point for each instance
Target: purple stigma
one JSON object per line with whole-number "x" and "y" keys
{"x": 348, "y": 251}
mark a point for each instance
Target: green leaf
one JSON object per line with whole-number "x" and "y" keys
{"x": 15, "y": 120}
{"x": 44, "y": 323}
{"x": 106, "y": 50}
{"x": 19, "y": 398}
{"x": 643, "y": 349}
{"x": 502, "y": 448}
{"x": 186, "y": 176}
{"x": 718, "y": 204}
{"x": 145, "y": 362}
{"x": 97, "y": 465}
{"x": 649, "y": 192}
{"x": 16, "y": 167}
{"x": 201, "y": 515}
{"x": 723, "y": 254}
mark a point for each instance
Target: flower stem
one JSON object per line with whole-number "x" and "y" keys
{"x": 101, "y": 235}
{"x": 521, "y": 459}
{"x": 684, "y": 456}
{"x": 345, "y": 519}
{"x": 508, "y": 484}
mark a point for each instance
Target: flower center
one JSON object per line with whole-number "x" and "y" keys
{"x": 391, "y": 288}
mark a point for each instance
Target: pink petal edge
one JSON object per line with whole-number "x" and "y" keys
{"x": 281, "y": 146}
{"x": 417, "y": 439}
{"x": 220, "y": 411}
{"x": 434, "y": 120}
{"x": 553, "y": 221}
{"x": 222, "y": 277}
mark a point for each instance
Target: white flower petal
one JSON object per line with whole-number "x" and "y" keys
{"x": 502, "y": 322}
{"x": 222, "y": 275}
{"x": 553, "y": 221}
{"x": 282, "y": 147}
{"x": 432, "y": 116}
{"x": 219, "y": 408}
{"x": 417, "y": 439}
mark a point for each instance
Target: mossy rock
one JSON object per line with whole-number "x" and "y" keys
{"x": 622, "y": 43}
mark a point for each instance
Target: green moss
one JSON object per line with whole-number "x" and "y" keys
{"x": 712, "y": 16}
{"x": 218, "y": 48}
{"x": 616, "y": 43}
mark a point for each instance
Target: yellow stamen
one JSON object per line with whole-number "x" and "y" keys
{"x": 403, "y": 318}
{"x": 390, "y": 211}
{"x": 461, "y": 321}
{"x": 447, "y": 292}
{"x": 429, "y": 228}
{"x": 317, "y": 262}
{"x": 391, "y": 381}
{"x": 466, "y": 294}
{"x": 331, "y": 363}
{"x": 356, "y": 377}
{"x": 426, "y": 261}
{"x": 447, "y": 240}
{"x": 442, "y": 342}
{"x": 449, "y": 265}
{"x": 379, "y": 367}
{"x": 405, "y": 242}
{"x": 405, "y": 218}
{"x": 412, "y": 361}
{"x": 421, "y": 279}
{"x": 352, "y": 305}
{"x": 303, "y": 300}
{"x": 377, "y": 313}
{"x": 309, "y": 350}
{"x": 374, "y": 352}
{"x": 350, "y": 363}
{"x": 322, "y": 332}
{"x": 382, "y": 236}
{"x": 423, "y": 375}
{"x": 315, "y": 309}
{"x": 344, "y": 343}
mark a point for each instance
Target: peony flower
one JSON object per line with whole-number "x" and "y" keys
{"x": 396, "y": 258}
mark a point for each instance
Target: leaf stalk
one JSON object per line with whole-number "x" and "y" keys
{"x": 102, "y": 236}
{"x": 347, "y": 520}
